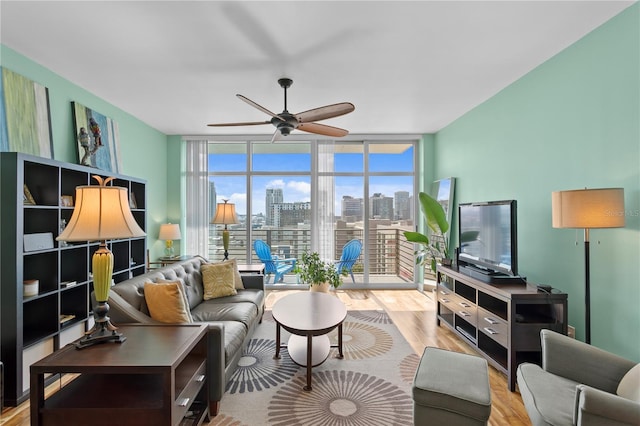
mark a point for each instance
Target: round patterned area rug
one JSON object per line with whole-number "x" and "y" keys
{"x": 370, "y": 386}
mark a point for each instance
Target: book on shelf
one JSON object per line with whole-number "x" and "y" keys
{"x": 66, "y": 317}
{"x": 65, "y": 284}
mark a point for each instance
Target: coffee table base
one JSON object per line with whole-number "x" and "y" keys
{"x": 297, "y": 348}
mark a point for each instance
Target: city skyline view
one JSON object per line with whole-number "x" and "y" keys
{"x": 295, "y": 180}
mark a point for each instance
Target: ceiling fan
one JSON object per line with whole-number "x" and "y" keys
{"x": 285, "y": 122}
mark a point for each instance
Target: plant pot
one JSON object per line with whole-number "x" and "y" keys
{"x": 322, "y": 287}
{"x": 446, "y": 262}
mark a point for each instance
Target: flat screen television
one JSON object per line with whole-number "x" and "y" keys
{"x": 487, "y": 234}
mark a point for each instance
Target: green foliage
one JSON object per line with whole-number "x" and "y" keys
{"x": 313, "y": 270}
{"x": 436, "y": 220}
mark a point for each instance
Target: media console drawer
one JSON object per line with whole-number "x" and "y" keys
{"x": 493, "y": 326}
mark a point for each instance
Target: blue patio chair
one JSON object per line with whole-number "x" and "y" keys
{"x": 350, "y": 253}
{"x": 273, "y": 264}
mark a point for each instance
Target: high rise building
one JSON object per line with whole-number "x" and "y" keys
{"x": 352, "y": 208}
{"x": 273, "y": 196}
{"x": 381, "y": 207}
{"x": 292, "y": 214}
{"x": 402, "y": 205}
{"x": 213, "y": 196}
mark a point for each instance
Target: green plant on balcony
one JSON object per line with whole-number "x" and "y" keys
{"x": 315, "y": 272}
{"x": 436, "y": 219}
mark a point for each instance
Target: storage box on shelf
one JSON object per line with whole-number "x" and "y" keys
{"x": 35, "y": 326}
{"x": 502, "y": 322}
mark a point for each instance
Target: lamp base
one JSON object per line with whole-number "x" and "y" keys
{"x": 103, "y": 331}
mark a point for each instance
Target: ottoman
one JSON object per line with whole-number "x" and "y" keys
{"x": 451, "y": 388}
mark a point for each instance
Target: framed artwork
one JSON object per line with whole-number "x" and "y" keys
{"x": 24, "y": 116}
{"x": 97, "y": 138}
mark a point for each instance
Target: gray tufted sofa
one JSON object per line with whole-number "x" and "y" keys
{"x": 232, "y": 319}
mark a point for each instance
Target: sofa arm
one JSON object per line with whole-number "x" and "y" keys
{"x": 598, "y": 408}
{"x": 215, "y": 365}
{"x": 122, "y": 312}
{"x": 582, "y": 363}
{"x": 254, "y": 281}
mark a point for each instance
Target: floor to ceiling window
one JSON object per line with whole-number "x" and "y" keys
{"x": 317, "y": 195}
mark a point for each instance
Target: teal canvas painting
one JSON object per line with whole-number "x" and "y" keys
{"x": 25, "y": 116}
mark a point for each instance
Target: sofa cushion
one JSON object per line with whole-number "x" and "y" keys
{"x": 549, "y": 399}
{"x": 167, "y": 302}
{"x": 218, "y": 280}
{"x": 629, "y": 386}
{"x": 223, "y": 310}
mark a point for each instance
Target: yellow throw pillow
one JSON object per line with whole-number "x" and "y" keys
{"x": 183, "y": 290}
{"x": 218, "y": 280}
{"x": 167, "y": 302}
{"x": 237, "y": 278}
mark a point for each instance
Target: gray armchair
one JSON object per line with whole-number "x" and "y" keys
{"x": 576, "y": 385}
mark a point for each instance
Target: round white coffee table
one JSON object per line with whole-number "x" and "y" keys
{"x": 309, "y": 317}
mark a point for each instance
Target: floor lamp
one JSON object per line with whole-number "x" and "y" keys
{"x": 225, "y": 215}
{"x": 101, "y": 213}
{"x": 587, "y": 209}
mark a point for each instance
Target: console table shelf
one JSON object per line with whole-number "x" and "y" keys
{"x": 502, "y": 322}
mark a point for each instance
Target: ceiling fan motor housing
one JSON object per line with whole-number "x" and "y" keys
{"x": 285, "y": 123}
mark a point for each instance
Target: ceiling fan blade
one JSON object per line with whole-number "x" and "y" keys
{"x": 327, "y": 111}
{"x": 249, "y": 123}
{"x": 323, "y": 129}
{"x": 255, "y": 105}
{"x": 276, "y": 136}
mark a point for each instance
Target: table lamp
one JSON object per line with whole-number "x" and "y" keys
{"x": 587, "y": 209}
{"x": 169, "y": 232}
{"x": 225, "y": 215}
{"x": 101, "y": 213}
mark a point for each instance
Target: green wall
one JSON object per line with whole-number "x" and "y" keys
{"x": 143, "y": 149}
{"x": 571, "y": 123}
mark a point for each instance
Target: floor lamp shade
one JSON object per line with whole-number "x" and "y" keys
{"x": 225, "y": 215}
{"x": 101, "y": 213}
{"x": 588, "y": 209}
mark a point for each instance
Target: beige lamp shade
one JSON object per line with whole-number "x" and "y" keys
{"x": 169, "y": 231}
{"x": 225, "y": 214}
{"x": 101, "y": 213}
{"x": 588, "y": 208}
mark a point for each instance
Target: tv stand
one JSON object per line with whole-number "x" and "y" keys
{"x": 501, "y": 322}
{"x": 491, "y": 277}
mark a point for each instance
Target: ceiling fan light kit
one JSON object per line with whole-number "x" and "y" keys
{"x": 285, "y": 122}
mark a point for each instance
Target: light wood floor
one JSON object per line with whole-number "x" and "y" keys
{"x": 414, "y": 315}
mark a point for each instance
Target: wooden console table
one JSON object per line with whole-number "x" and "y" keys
{"x": 156, "y": 377}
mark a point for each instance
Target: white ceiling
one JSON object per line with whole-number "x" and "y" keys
{"x": 409, "y": 67}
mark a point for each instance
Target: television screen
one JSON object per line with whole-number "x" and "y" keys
{"x": 487, "y": 236}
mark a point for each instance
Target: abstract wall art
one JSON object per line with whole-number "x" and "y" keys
{"x": 24, "y": 115}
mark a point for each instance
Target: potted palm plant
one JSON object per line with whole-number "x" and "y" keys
{"x": 320, "y": 275}
{"x": 436, "y": 249}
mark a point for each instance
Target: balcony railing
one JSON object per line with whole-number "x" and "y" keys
{"x": 389, "y": 256}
